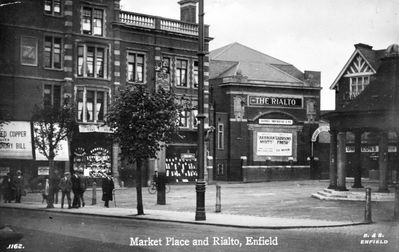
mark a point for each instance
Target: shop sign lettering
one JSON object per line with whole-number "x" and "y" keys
{"x": 266, "y": 101}
{"x": 15, "y": 139}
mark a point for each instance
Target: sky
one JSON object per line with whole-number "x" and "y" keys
{"x": 316, "y": 35}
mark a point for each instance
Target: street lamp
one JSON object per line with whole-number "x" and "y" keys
{"x": 200, "y": 184}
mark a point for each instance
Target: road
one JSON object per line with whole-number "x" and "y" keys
{"x": 45, "y": 231}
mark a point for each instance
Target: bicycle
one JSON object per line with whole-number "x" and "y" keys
{"x": 152, "y": 188}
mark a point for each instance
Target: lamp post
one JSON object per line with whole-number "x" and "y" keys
{"x": 200, "y": 185}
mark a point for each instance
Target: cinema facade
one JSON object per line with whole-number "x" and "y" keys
{"x": 264, "y": 112}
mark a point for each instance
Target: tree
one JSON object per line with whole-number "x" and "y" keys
{"x": 142, "y": 120}
{"x": 51, "y": 125}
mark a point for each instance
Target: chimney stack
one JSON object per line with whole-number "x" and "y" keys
{"x": 188, "y": 11}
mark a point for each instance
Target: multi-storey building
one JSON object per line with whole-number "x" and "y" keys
{"x": 82, "y": 52}
{"x": 264, "y": 112}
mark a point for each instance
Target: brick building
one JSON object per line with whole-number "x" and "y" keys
{"x": 264, "y": 111}
{"x": 364, "y": 125}
{"x": 83, "y": 52}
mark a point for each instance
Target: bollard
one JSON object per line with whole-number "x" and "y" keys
{"x": 396, "y": 210}
{"x": 367, "y": 212}
{"x": 218, "y": 199}
{"x": 94, "y": 196}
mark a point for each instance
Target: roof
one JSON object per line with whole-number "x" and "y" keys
{"x": 236, "y": 58}
{"x": 372, "y": 57}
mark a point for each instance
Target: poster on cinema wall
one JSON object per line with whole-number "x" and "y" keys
{"x": 273, "y": 144}
{"x": 16, "y": 140}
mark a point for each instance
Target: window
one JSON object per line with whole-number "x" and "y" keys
{"x": 220, "y": 169}
{"x": 220, "y": 138}
{"x": 184, "y": 114}
{"x": 357, "y": 85}
{"x": 92, "y": 21}
{"x": 194, "y": 113}
{"x": 92, "y": 61}
{"x": 52, "y": 95}
{"x": 195, "y": 74}
{"x": 52, "y": 7}
{"x": 92, "y": 104}
{"x": 135, "y": 67}
{"x": 29, "y": 51}
{"x": 181, "y": 73}
{"x": 52, "y": 52}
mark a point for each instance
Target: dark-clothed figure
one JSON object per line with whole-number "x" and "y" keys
{"x": 8, "y": 188}
{"x": 82, "y": 187}
{"x": 19, "y": 186}
{"x": 76, "y": 189}
{"x": 66, "y": 187}
{"x": 108, "y": 187}
{"x": 56, "y": 188}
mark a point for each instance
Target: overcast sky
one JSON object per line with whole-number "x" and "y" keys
{"x": 310, "y": 34}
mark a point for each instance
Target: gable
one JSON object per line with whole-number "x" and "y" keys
{"x": 359, "y": 66}
{"x": 356, "y": 65}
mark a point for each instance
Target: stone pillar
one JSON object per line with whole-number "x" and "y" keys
{"x": 333, "y": 160}
{"x": 341, "y": 162}
{"x": 383, "y": 162}
{"x": 357, "y": 160}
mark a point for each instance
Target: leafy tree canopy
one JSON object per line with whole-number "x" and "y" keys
{"x": 51, "y": 125}
{"x": 142, "y": 120}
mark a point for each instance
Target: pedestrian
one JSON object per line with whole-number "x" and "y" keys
{"x": 56, "y": 188}
{"x": 8, "y": 188}
{"x": 46, "y": 190}
{"x": 76, "y": 189}
{"x": 82, "y": 186}
{"x": 66, "y": 186}
{"x": 108, "y": 187}
{"x": 19, "y": 186}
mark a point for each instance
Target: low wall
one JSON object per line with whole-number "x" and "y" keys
{"x": 275, "y": 173}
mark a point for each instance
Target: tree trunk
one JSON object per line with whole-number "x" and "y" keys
{"x": 140, "y": 210}
{"x": 50, "y": 196}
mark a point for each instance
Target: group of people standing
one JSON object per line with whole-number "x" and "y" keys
{"x": 13, "y": 187}
{"x": 77, "y": 183}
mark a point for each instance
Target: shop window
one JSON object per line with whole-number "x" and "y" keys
{"x": 220, "y": 136}
{"x": 92, "y": 21}
{"x": 52, "y": 95}
{"x": 135, "y": 67}
{"x": 52, "y": 52}
{"x": 181, "y": 73}
{"x": 92, "y": 61}
{"x": 92, "y": 104}
{"x": 29, "y": 51}
{"x": 52, "y": 7}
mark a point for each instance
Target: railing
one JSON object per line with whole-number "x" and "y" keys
{"x": 154, "y": 22}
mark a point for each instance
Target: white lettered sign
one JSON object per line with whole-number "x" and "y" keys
{"x": 274, "y": 144}
{"x": 16, "y": 140}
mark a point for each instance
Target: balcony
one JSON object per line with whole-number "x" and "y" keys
{"x": 158, "y": 23}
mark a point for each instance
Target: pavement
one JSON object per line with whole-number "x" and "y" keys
{"x": 272, "y": 205}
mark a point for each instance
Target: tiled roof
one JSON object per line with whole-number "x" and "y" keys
{"x": 252, "y": 64}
